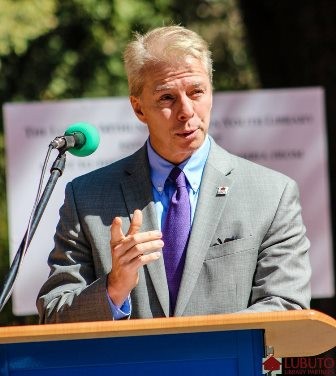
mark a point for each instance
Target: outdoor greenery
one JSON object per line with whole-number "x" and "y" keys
{"x": 55, "y": 49}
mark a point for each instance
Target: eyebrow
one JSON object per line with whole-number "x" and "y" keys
{"x": 164, "y": 87}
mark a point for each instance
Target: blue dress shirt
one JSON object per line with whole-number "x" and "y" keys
{"x": 162, "y": 192}
{"x": 160, "y": 169}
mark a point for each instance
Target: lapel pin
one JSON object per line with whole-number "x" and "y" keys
{"x": 222, "y": 191}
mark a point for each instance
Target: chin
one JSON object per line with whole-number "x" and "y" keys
{"x": 195, "y": 144}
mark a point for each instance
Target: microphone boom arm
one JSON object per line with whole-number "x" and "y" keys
{"x": 55, "y": 172}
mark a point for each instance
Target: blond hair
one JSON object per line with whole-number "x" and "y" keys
{"x": 162, "y": 45}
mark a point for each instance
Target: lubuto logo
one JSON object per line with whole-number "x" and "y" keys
{"x": 272, "y": 366}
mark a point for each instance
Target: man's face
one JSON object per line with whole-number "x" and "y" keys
{"x": 175, "y": 103}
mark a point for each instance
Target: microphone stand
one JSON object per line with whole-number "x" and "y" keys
{"x": 55, "y": 172}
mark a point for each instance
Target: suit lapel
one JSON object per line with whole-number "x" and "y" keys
{"x": 210, "y": 206}
{"x": 137, "y": 190}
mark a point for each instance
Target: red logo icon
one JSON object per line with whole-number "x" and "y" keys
{"x": 272, "y": 366}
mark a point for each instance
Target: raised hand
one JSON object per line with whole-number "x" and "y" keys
{"x": 129, "y": 253}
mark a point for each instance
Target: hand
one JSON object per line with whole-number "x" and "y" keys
{"x": 129, "y": 253}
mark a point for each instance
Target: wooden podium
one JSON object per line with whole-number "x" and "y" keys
{"x": 228, "y": 344}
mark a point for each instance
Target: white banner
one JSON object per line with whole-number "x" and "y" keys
{"x": 282, "y": 129}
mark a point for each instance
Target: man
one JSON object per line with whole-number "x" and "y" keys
{"x": 229, "y": 238}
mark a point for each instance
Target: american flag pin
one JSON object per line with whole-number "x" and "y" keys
{"x": 222, "y": 191}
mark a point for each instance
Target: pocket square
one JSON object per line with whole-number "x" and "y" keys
{"x": 226, "y": 240}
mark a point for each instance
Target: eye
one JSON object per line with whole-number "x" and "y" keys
{"x": 197, "y": 93}
{"x": 166, "y": 98}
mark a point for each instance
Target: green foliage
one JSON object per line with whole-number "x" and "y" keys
{"x": 55, "y": 49}
{"x": 23, "y": 21}
{"x": 77, "y": 51}
{"x": 221, "y": 24}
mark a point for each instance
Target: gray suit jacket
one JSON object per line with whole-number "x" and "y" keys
{"x": 247, "y": 249}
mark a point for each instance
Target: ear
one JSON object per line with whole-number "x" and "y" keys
{"x": 137, "y": 108}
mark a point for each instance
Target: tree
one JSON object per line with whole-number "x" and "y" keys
{"x": 293, "y": 43}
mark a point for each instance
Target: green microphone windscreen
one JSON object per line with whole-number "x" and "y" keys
{"x": 88, "y": 137}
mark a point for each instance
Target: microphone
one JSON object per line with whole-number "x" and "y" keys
{"x": 80, "y": 139}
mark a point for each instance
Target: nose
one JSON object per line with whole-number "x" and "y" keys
{"x": 185, "y": 109}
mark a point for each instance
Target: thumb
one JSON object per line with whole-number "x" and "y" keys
{"x": 116, "y": 232}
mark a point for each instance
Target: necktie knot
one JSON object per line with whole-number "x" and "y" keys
{"x": 177, "y": 177}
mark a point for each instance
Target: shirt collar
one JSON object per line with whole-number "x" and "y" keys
{"x": 192, "y": 167}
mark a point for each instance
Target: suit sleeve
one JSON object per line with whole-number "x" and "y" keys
{"x": 282, "y": 276}
{"x": 73, "y": 291}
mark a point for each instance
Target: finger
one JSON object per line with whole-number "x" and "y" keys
{"x": 136, "y": 222}
{"x": 145, "y": 259}
{"x": 117, "y": 234}
{"x": 142, "y": 260}
{"x": 137, "y": 239}
{"x": 141, "y": 250}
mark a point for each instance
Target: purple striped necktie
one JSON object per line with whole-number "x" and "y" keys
{"x": 176, "y": 231}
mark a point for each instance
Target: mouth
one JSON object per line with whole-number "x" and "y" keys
{"x": 187, "y": 134}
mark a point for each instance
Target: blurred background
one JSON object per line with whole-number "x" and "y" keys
{"x": 57, "y": 49}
